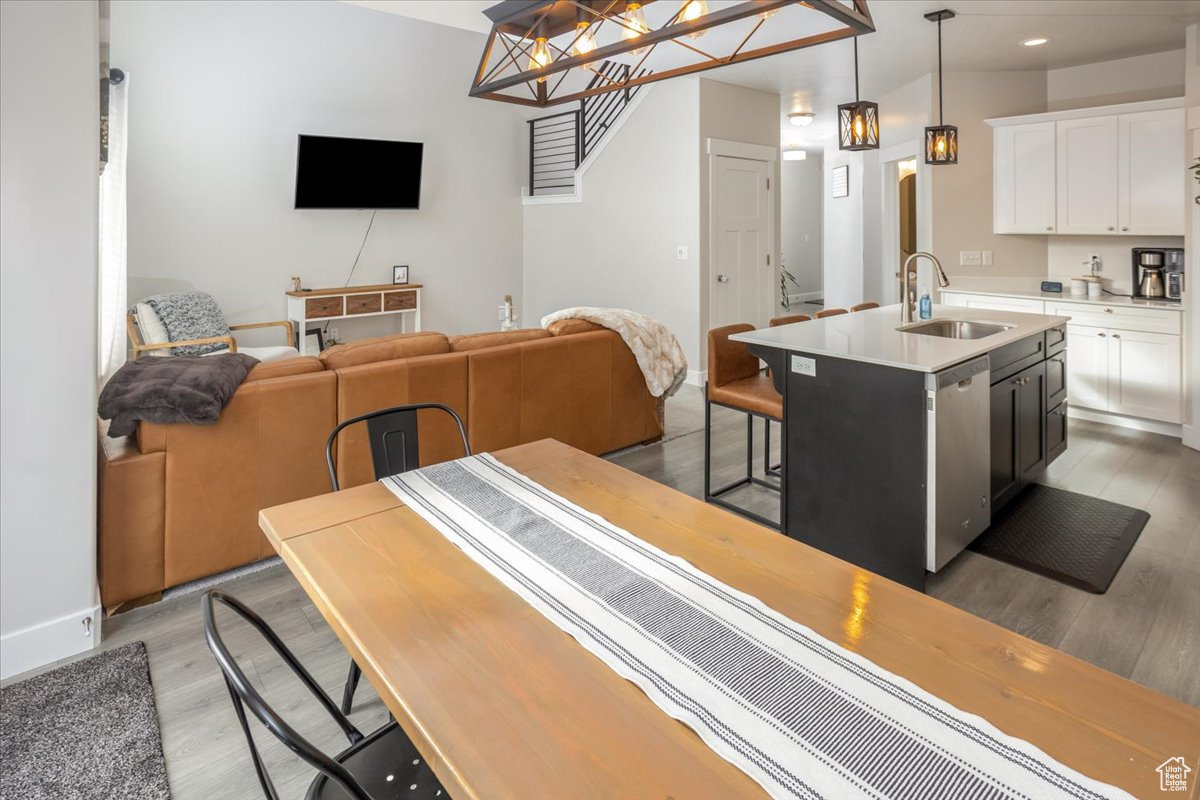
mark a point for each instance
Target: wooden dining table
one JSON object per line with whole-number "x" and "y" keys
{"x": 504, "y": 704}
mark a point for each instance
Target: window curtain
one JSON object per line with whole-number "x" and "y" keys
{"x": 113, "y": 303}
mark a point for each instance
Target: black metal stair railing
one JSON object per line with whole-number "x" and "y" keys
{"x": 559, "y": 143}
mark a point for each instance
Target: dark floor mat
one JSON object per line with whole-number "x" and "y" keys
{"x": 1075, "y": 539}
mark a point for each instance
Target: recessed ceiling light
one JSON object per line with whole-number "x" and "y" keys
{"x": 801, "y": 118}
{"x": 795, "y": 155}
{"x": 1036, "y": 41}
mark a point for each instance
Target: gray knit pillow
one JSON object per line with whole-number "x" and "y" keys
{"x": 190, "y": 315}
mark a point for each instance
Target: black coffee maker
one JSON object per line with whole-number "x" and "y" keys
{"x": 1158, "y": 273}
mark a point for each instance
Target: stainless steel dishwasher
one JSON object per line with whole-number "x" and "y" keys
{"x": 957, "y": 460}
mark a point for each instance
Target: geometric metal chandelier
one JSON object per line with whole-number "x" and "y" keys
{"x": 545, "y": 52}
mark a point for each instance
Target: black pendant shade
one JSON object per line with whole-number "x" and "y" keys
{"x": 941, "y": 140}
{"x": 858, "y": 122}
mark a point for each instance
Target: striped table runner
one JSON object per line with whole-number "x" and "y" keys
{"x": 800, "y": 715}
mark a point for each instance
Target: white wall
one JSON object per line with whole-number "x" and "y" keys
{"x": 1125, "y": 80}
{"x": 618, "y": 246}
{"x": 962, "y": 194}
{"x": 219, "y": 93}
{"x": 49, "y": 148}
{"x": 801, "y": 191}
{"x": 1191, "y": 320}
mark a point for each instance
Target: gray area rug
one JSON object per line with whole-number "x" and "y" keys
{"x": 1072, "y": 538}
{"x": 86, "y": 731}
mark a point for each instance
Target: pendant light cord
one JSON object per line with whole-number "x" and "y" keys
{"x": 941, "y": 92}
{"x": 856, "y": 98}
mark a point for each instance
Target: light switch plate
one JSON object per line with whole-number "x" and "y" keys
{"x": 970, "y": 258}
{"x": 681, "y": 252}
{"x": 803, "y": 365}
{"x": 987, "y": 258}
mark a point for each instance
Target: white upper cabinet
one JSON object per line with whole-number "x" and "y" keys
{"x": 1117, "y": 170}
{"x": 1024, "y": 178}
{"x": 1152, "y": 173}
{"x": 1087, "y": 175}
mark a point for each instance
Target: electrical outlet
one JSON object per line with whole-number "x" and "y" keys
{"x": 333, "y": 334}
{"x": 681, "y": 252}
{"x": 970, "y": 258}
{"x": 987, "y": 258}
{"x": 802, "y": 365}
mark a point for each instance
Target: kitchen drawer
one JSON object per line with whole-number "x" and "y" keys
{"x": 399, "y": 301}
{"x": 1012, "y": 358}
{"x": 363, "y": 304}
{"x": 1022, "y": 305}
{"x": 1056, "y": 433}
{"x": 1056, "y": 379}
{"x": 316, "y": 307}
{"x": 1056, "y": 339}
{"x": 1126, "y": 318}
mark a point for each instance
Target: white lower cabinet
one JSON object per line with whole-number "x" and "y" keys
{"x": 1144, "y": 377}
{"x": 1087, "y": 370}
{"x": 1020, "y": 304}
{"x": 1135, "y": 373}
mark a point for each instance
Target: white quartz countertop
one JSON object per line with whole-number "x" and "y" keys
{"x": 1032, "y": 288}
{"x": 873, "y": 336}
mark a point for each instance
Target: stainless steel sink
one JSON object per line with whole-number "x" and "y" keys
{"x": 956, "y": 329}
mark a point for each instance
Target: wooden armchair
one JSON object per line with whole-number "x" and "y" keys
{"x": 139, "y": 346}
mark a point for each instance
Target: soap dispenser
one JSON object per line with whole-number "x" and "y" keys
{"x": 926, "y": 306}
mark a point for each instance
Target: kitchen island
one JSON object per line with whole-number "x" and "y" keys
{"x": 899, "y": 444}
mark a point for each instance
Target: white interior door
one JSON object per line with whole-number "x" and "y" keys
{"x": 741, "y": 271}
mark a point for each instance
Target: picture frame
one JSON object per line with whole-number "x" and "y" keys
{"x": 400, "y": 275}
{"x": 841, "y": 181}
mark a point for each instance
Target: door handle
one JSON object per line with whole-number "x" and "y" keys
{"x": 722, "y": 278}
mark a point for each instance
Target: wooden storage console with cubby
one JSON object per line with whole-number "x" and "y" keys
{"x": 325, "y": 305}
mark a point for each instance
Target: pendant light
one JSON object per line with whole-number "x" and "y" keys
{"x": 858, "y": 122}
{"x": 692, "y": 10}
{"x": 635, "y": 25}
{"x": 585, "y": 34}
{"x": 941, "y": 140}
{"x": 539, "y": 54}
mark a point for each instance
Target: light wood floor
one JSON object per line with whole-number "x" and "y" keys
{"x": 1146, "y": 627}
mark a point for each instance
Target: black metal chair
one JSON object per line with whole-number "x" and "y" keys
{"x": 384, "y": 765}
{"x": 392, "y": 434}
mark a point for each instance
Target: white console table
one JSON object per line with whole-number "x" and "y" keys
{"x": 352, "y": 302}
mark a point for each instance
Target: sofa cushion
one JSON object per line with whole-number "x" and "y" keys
{"x": 385, "y": 348}
{"x": 478, "y": 341}
{"x": 566, "y": 327}
{"x": 301, "y": 365}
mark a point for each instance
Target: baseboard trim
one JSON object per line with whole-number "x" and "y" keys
{"x": 36, "y": 646}
{"x": 696, "y": 377}
{"x": 1122, "y": 421}
{"x": 804, "y": 297}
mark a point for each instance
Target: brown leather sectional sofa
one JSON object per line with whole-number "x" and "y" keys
{"x": 180, "y": 502}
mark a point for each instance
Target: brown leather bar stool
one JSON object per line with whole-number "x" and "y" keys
{"x": 736, "y": 382}
{"x": 831, "y": 312}
{"x": 788, "y": 320}
{"x": 864, "y": 306}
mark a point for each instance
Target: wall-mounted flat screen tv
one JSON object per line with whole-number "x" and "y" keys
{"x": 333, "y": 172}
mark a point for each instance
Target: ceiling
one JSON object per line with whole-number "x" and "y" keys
{"x": 986, "y": 35}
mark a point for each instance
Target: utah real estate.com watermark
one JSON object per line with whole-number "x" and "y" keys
{"x": 1173, "y": 775}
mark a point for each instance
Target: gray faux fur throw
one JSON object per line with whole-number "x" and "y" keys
{"x": 178, "y": 389}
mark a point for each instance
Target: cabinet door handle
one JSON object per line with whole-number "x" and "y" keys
{"x": 1110, "y": 227}
{"x": 1102, "y": 333}
{"x": 1116, "y": 336}
{"x": 1108, "y": 311}
{"x": 1049, "y": 227}
{"x": 1124, "y": 227}
{"x": 722, "y": 279}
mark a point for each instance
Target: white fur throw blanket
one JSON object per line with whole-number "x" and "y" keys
{"x": 656, "y": 349}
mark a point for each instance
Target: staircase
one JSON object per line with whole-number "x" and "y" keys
{"x": 559, "y": 143}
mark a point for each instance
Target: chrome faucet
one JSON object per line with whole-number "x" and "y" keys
{"x": 908, "y": 303}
